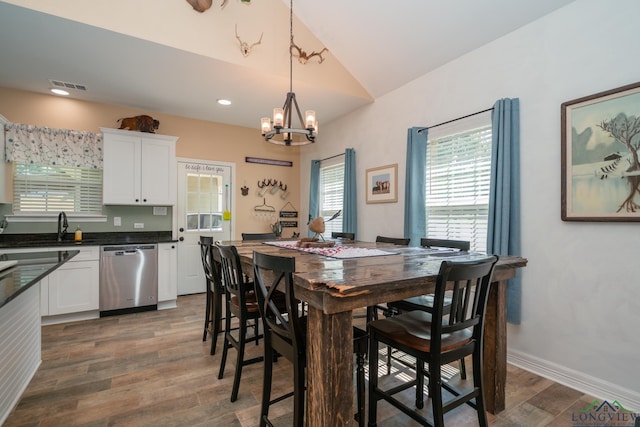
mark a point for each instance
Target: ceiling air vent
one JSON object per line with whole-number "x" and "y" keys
{"x": 67, "y": 85}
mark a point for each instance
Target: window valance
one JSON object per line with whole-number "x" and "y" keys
{"x": 48, "y": 146}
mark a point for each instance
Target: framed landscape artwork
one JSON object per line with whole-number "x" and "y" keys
{"x": 382, "y": 184}
{"x": 600, "y": 167}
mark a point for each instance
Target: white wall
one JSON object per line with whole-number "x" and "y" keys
{"x": 581, "y": 289}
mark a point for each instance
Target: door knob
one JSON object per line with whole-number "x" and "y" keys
{"x": 181, "y": 239}
{"x": 181, "y": 229}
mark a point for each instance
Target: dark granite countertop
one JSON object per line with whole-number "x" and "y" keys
{"x": 48, "y": 240}
{"x": 29, "y": 270}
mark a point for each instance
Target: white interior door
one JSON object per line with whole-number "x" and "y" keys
{"x": 205, "y": 201}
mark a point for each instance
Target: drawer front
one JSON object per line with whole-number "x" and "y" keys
{"x": 87, "y": 253}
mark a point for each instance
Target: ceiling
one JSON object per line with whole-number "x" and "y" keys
{"x": 374, "y": 47}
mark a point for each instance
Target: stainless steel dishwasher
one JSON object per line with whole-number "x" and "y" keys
{"x": 128, "y": 278}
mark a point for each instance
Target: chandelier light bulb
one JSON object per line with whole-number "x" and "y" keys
{"x": 310, "y": 116}
{"x": 265, "y": 125}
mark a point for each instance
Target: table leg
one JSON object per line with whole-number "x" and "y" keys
{"x": 329, "y": 369}
{"x": 495, "y": 348}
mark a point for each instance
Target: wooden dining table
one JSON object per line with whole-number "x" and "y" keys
{"x": 334, "y": 287}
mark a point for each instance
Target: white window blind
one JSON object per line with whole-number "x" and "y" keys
{"x": 458, "y": 177}
{"x": 52, "y": 189}
{"x": 331, "y": 195}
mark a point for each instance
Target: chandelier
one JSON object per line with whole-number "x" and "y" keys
{"x": 281, "y": 129}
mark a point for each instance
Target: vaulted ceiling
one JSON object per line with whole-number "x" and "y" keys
{"x": 166, "y": 57}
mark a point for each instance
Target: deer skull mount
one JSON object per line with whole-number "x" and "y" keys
{"x": 302, "y": 56}
{"x": 245, "y": 49}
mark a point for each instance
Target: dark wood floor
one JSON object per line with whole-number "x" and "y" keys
{"x": 152, "y": 369}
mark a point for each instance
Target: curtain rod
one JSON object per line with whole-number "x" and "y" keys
{"x": 330, "y": 157}
{"x": 454, "y": 120}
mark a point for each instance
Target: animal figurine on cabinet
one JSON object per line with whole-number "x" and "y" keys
{"x": 200, "y": 5}
{"x": 141, "y": 123}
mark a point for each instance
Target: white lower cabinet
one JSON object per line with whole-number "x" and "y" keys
{"x": 167, "y": 275}
{"x": 74, "y": 286}
{"x": 71, "y": 292}
{"x": 72, "y": 289}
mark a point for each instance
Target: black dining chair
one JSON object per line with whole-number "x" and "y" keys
{"x": 258, "y": 236}
{"x": 343, "y": 235}
{"x": 285, "y": 333}
{"x": 425, "y": 302}
{"x": 372, "y": 311}
{"x": 218, "y": 299}
{"x": 240, "y": 300}
{"x": 205, "y": 256}
{"x": 435, "y": 340}
{"x": 214, "y": 291}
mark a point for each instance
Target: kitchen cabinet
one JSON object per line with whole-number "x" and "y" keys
{"x": 139, "y": 168}
{"x": 74, "y": 287}
{"x": 167, "y": 275}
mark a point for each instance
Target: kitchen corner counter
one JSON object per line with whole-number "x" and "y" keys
{"x": 29, "y": 270}
{"x": 49, "y": 240}
{"x": 20, "y": 323}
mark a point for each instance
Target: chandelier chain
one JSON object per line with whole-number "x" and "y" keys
{"x": 290, "y": 44}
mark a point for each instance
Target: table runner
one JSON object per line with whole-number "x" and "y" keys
{"x": 338, "y": 251}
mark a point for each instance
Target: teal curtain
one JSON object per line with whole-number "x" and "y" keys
{"x": 314, "y": 190}
{"x": 415, "y": 223}
{"x": 503, "y": 233}
{"x": 350, "y": 200}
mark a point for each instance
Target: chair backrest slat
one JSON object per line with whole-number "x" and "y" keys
{"x": 258, "y": 236}
{"x": 283, "y": 321}
{"x": 343, "y": 235}
{"x": 469, "y": 283}
{"x": 231, "y": 268}
{"x": 462, "y": 245}
{"x": 401, "y": 241}
{"x": 205, "y": 256}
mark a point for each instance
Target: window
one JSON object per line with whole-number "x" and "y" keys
{"x": 41, "y": 189}
{"x": 331, "y": 194}
{"x": 204, "y": 202}
{"x": 458, "y": 176}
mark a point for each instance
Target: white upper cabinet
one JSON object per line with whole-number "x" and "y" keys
{"x": 139, "y": 168}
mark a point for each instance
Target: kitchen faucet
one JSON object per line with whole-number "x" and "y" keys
{"x": 62, "y": 225}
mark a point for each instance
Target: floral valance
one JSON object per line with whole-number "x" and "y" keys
{"x": 47, "y": 146}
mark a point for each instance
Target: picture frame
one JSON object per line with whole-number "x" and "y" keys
{"x": 600, "y": 170}
{"x": 382, "y": 184}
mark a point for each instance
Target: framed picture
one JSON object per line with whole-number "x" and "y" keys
{"x": 600, "y": 167}
{"x": 382, "y": 184}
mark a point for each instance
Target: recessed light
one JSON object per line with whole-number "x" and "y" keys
{"x": 224, "y": 102}
{"x": 59, "y": 91}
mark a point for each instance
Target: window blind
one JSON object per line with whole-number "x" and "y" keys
{"x": 331, "y": 195}
{"x": 458, "y": 178}
{"x": 52, "y": 189}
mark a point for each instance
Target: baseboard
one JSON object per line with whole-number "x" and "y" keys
{"x": 71, "y": 317}
{"x": 589, "y": 385}
{"x": 165, "y": 305}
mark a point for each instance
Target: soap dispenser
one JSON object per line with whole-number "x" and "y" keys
{"x": 78, "y": 235}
